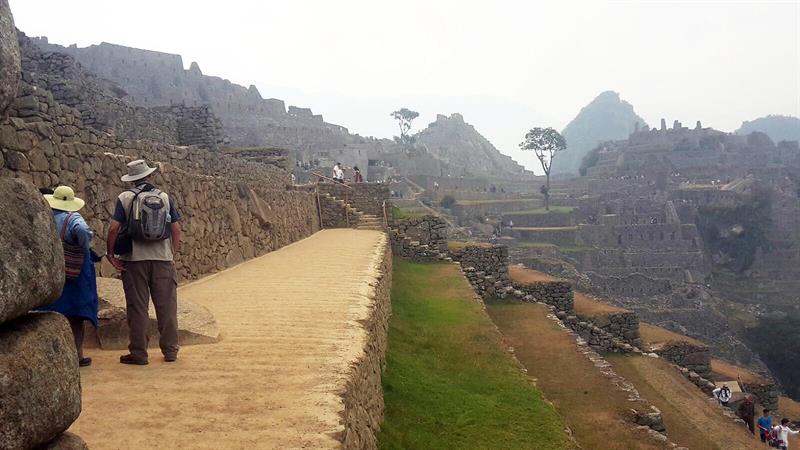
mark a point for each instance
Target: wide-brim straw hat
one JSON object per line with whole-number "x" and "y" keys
{"x": 137, "y": 170}
{"x": 63, "y": 198}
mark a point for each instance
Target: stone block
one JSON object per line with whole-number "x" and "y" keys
{"x": 196, "y": 324}
{"x": 31, "y": 257}
{"x": 66, "y": 441}
{"x": 39, "y": 380}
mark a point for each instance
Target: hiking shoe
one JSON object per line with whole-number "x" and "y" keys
{"x": 170, "y": 358}
{"x": 130, "y": 359}
{"x": 84, "y": 362}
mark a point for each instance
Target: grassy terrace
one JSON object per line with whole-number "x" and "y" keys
{"x": 454, "y": 246}
{"x": 449, "y": 383}
{"x": 653, "y": 334}
{"x": 490, "y": 202}
{"x": 591, "y": 406}
{"x": 553, "y": 210}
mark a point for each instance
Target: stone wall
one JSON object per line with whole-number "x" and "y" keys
{"x": 765, "y": 393}
{"x": 420, "y": 239}
{"x": 365, "y": 197}
{"x": 102, "y": 105}
{"x": 555, "y": 293}
{"x": 486, "y": 268}
{"x": 621, "y": 325}
{"x": 232, "y": 209}
{"x": 363, "y": 396}
{"x": 696, "y": 358}
{"x": 633, "y": 285}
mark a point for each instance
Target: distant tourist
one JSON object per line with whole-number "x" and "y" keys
{"x": 747, "y": 412}
{"x": 782, "y": 432}
{"x": 723, "y": 395}
{"x": 146, "y": 250}
{"x": 357, "y": 177}
{"x": 338, "y": 173}
{"x": 78, "y": 300}
{"x": 293, "y": 179}
{"x": 510, "y": 224}
{"x": 765, "y": 426}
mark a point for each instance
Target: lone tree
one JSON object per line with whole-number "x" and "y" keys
{"x": 545, "y": 143}
{"x": 404, "y": 117}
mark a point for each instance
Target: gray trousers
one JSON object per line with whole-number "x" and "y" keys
{"x": 142, "y": 280}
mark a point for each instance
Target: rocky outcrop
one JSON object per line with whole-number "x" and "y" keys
{"x": 9, "y": 58}
{"x": 196, "y": 324}
{"x": 30, "y": 273}
{"x": 39, "y": 380}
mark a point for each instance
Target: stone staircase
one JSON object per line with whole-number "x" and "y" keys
{"x": 370, "y": 222}
{"x": 358, "y": 219}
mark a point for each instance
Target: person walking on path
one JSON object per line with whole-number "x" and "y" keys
{"x": 747, "y": 412}
{"x": 146, "y": 249}
{"x": 723, "y": 395}
{"x": 78, "y": 300}
{"x": 765, "y": 426}
{"x": 783, "y": 431}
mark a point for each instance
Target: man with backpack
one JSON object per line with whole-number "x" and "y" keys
{"x": 143, "y": 238}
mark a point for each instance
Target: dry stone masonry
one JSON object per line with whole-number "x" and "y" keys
{"x": 696, "y": 358}
{"x": 421, "y": 239}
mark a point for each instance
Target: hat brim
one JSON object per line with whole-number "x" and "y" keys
{"x": 65, "y": 205}
{"x": 140, "y": 176}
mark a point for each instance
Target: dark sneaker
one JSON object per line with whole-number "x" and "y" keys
{"x": 84, "y": 362}
{"x": 170, "y": 358}
{"x": 130, "y": 359}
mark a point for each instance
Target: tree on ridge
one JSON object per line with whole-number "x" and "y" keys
{"x": 545, "y": 144}
{"x": 404, "y": 117}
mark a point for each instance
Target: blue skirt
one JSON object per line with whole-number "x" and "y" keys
{"x": 79, "y": 297}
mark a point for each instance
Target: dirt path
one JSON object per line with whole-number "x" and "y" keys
{"x": 289, "y": 331}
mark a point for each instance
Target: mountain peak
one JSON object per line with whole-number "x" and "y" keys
{"x": 606, "y": 117}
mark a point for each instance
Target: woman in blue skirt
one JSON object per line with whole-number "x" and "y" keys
{"x": 78, "y": 301}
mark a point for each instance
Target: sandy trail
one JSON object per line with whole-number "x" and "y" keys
{"x": 289, "y": 331}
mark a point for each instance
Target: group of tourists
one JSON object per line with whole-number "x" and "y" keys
{"x": 339, "y": 175}
{"x": 144, "y": 235}
{"x": 776, "y": 436}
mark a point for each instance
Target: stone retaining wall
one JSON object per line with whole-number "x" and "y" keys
{"x": 363, "y": 396}
{"x": 232, "y": 209}
{"x": 766, "y": 394}
{"x": 555, "y": 293}
{"x": 486, "y": 268}
{"x": 419, "y": 238}
{"x": 696, "y": 358}
{"x": 622, "y": 325}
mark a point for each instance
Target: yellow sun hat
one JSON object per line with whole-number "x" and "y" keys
{"x": 63, "y": 198}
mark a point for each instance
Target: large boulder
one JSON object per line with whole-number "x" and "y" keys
{"x": 66, "y": 441}
{"x": 40, "y": 385}
{"x": 196, "y": 324}
{"x": 31, "y": 255}
{"x": 9, "y": 57}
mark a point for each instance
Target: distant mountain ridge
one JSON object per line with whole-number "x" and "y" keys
{"x": 777, "y": 127}
{"x": 607, "y": 117}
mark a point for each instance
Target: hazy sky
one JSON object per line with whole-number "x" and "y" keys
{"x": 505, "y": 65}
